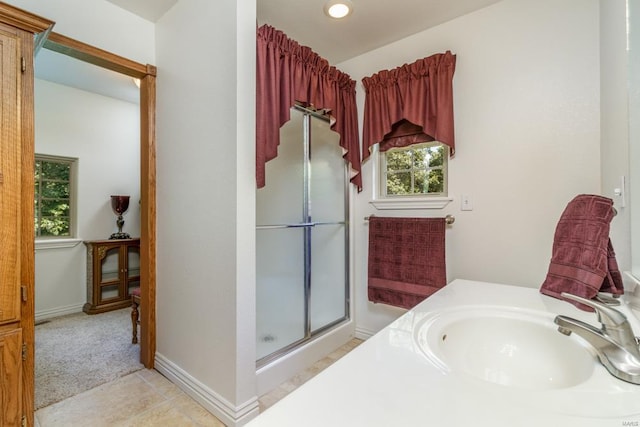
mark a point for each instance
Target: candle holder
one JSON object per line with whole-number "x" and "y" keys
{"x": 120, "y": 204}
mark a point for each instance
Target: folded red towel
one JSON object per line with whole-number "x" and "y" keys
{"x": 406, "y": 259}
{"x": 583, "y": 262}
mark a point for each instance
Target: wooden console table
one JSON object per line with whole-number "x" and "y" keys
{"x": 113, "y": 270}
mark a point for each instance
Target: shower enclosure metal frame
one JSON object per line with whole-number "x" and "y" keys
{"x": 308, "y": 224}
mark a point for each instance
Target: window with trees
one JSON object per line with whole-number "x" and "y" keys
{"x": 54, "y": 181}
{"x": 416, "y": 170}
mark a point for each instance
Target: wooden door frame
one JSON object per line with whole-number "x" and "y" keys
{"x": 147, "y": 75}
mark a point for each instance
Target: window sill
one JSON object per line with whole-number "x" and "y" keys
{"x": 406, "y": 203}
{"x": 57, "y": 243}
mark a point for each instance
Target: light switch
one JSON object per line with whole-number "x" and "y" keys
{"x": 621, "y": 192}
{"x": 466, "y": 204}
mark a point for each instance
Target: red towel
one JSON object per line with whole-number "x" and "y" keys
{"x": 583, "y": 262}
{"x": 406, "y": 259}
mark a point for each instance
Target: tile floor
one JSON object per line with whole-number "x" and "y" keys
{"x": 146, "y": 398}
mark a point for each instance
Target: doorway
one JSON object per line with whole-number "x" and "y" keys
{"x": 87, "y": 148}
{"x": 146, "y": 75}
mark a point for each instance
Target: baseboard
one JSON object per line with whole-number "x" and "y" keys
{"x": 364, "y": 334}
{"x": 230, "y": 415}
{"x": 58, "y": 311}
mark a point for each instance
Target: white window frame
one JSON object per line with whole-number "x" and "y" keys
{"x": 55, "y": 242}
{"x": 409, "y": 201}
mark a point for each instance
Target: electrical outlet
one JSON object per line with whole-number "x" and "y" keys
{"x": 466, "y": 204}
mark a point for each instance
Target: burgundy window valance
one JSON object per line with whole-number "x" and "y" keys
{"x": 288, "y": 73}
{"x": 410, "y": 104}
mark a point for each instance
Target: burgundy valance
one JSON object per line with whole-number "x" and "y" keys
{"x": 420, "y": 93}
{"x": 288, "y": 73}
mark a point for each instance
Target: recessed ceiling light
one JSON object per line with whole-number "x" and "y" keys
{"x": 338, "y": 8}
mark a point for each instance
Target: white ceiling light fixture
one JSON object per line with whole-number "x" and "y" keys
{"x": 338, "y": 8}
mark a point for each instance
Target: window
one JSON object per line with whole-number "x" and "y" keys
{"x": 54, "y": 201}
{"x": 416, "y": 170}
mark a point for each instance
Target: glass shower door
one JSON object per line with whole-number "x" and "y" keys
{"x": 327, "y": 210}
{"x": 301, "y": 238}
{"x": 280, "y": 298}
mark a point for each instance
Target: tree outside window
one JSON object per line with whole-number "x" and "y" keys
{"x": 53, "y": 196}
{"x": 417, "y": 170}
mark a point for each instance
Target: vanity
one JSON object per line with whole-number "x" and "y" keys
{"x": 472, "y": 354}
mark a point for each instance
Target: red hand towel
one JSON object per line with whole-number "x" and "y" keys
{"x": 583, "y": 262}
{"x": 406, "y": 259}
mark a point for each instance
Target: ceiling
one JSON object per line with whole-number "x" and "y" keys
{"x": 151, "y": 10}
{"x": 372, "y": 24}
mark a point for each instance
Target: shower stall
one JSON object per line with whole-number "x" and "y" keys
{"x": 302, "y": 238}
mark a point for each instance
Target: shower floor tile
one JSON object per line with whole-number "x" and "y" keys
{"x": 269, "y": 399}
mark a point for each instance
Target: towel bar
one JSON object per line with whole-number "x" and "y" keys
{"x": 449, "y": 219}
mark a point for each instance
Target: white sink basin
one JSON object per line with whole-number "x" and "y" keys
{"x": 514, "y": 348}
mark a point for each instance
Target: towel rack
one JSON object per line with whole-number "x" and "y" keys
{"x": 449, "y": 219}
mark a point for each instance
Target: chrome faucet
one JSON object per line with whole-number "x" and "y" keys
{"x": 615, "y": 344}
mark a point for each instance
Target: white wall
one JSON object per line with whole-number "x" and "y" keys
{"x": 527, "y": 106}
{"x": 104, "y": 134}
{"x": 206, "y": 203}
{"x": 634, "y": 133}
{"x": 614, "y": 116}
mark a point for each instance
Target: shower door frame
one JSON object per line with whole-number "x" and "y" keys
{"x": 308, "y": 225}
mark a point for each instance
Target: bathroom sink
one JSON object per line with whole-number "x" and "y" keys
{"x": 514, "y": 348}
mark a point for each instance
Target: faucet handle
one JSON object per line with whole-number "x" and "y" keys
{"x": 606, "y": 315}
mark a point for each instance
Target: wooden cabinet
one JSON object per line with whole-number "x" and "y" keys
{"x": 11, "y": 373}
{"x": 10, "y": 240}
{"x": 16, "y": 216}
{"x": 113, "y": 270}
{"x": 10, "y": 175}
{"x": 17, "y": 30}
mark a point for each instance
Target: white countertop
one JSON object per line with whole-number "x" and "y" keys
{"x": 388, "y": 380}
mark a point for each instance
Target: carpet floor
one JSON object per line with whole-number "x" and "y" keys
{"x": 78, "y": 352}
